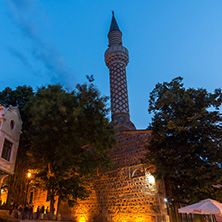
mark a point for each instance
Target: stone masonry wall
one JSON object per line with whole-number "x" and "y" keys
{"x": 124, "y": 193}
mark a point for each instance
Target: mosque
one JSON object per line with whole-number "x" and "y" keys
{"x": 128, "y": 192}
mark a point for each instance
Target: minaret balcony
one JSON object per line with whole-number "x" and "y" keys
{"x": 116, "y": 53}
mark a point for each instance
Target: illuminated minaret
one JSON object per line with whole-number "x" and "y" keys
{"x": 117, "y": 58}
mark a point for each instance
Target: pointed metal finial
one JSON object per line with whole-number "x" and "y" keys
{"x": 113, "y": 13}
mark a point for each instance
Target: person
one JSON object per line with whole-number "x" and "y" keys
{"x": 11, "y": 207}
{"x": 30, "y": 212}
{"x": 10, "y": 210}
{"x": 37, "y": 212}
{"x": 20, "y": 211}
{"x": 43, "y": 209}
{"x": 47, "y": 212}
{"x": 25, "y": 212}
{"x": 12, "y": 203}
{"x": 15, "y": 213}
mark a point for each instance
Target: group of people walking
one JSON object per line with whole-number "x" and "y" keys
{"x": 26, "y": 212}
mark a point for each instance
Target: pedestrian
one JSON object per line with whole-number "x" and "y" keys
{"x": 42, "y": 212}
{"x": 25, "y": 212}
{"x": 20, "y": 211}
{"x": 47, "y": 212}
{"x": 15, "y": 212}
{"x": 10, "y": 210}
{"x": 31, "y": 212}
{"x": 43, "y": 209}
{"x": 11, "y": 207}
{"x": 37, "y": 212}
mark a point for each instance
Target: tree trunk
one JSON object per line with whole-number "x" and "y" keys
{"x": 168, "y": 188}
{"x": 170, "y": 198}
{"x": 58, "y": 205}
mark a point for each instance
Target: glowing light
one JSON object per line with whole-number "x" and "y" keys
{"x": 151, "y": 179}
{"x": 82, "y": 219}
{"x": 82, "y": 213}
{"x": 165, "y": 200}
{"x": 29, "y": 175}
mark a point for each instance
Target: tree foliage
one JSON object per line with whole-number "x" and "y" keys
{"x": 17, "y": 183}
{"x": 70, "y": 134}
{"x": 185, "y": 145}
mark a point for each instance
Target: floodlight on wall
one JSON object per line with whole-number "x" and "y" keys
{"x": 82, "y": 219}
{"x": 151, "y": 179}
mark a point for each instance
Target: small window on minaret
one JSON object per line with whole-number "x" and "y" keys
{"x": 6, "y": 152}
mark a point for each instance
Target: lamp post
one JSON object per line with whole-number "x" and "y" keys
{"x": 29, "y": 179}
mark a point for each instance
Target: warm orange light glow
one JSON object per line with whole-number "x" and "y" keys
{"x": 82, "y": 213}
{"x": 82, "y": 219}
{"x": 29, "y": 175}
{"x": 135, "y": 217}
{"x": 4, "y": 197}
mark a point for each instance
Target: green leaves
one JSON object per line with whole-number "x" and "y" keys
{"x": 20, "y": 98}
{"x": 65, "y": 137}
{"x": 62, "y": 124}
{"x": 186, "y": 141}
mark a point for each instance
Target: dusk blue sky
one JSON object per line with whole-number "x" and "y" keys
{"x": 61, "y": 41}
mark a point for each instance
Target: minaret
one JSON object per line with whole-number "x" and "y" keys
{"x": 117, "y": 58}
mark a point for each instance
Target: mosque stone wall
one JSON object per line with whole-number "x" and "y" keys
{"x": 127, "y": 193}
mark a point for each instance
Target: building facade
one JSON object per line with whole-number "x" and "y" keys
{"x": 10, "y": 129}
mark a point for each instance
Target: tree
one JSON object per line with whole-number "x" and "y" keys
{"x": 70, "y": 136}
{"x": 185, "y": 145}
{"x": 17, "y": 183}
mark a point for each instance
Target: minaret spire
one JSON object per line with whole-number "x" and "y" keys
{"x": 117, "y": 58}
{"x": 114, "y": 25}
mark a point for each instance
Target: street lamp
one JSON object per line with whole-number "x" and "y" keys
{"x": 29, "y": 179}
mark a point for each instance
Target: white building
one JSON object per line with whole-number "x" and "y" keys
{"x": 10, "y": 130}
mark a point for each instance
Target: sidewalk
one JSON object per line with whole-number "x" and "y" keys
{"x": 6, "y": 217}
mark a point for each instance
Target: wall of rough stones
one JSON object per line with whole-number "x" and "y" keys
{"x": 39, "y": 198}
{"x": 124, "y": 193}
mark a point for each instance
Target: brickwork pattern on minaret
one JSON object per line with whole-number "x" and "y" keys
{"x": 116, "y": 58}
{"x": 118, "y": 88}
